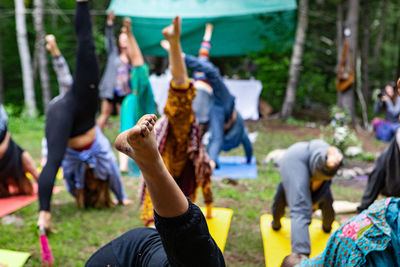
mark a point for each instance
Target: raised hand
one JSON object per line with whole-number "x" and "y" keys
{"x": 110, "y": 18}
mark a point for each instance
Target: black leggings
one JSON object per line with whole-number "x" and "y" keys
{"x": 180, "y": 241}
{"x": 74, "y": 114}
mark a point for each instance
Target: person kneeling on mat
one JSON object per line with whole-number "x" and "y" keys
{"x": 181, "y": 237}
{"x": 14, "y": 162}
{"x": 307, "y": 169}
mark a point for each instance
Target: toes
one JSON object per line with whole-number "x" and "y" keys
{"x": 144, "y": 131}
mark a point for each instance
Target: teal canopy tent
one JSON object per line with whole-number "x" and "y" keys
{"x": 239, "y": 25}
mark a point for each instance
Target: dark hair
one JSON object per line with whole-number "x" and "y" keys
{"x": 292, "y": 260}
{"x": 395, "y": 93}
{"x": 391, "y": 84}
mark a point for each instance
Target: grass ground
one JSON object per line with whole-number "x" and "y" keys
{"x": 81, "y": 232}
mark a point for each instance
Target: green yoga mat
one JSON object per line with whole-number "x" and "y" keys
{"x": 12, "y": 258}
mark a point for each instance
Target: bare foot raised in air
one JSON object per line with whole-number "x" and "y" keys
{"x": 172, "y": 32}
{"x": 139, "y": 142}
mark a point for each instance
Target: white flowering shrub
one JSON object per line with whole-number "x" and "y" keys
{"x": 338, "y": 133}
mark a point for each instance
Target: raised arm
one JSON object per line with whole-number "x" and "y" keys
{"x": 110, "y": 39}
{"x": 135, "y": 55}
{"x": 60, "y": 66}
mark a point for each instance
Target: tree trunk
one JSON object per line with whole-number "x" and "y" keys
{"x": 1, "y": 68}
{"x": 360, "y": 94}
{"x": 339, "y": 30}
{"x": 40, "y": 39}
{"x": 54, "y": 17}
{"x": 25, "y": 58}
{"x": 381, "y": 32}
{"x": 295, "y": 61}
{"x": 346, "y": 98}
{"x": 365, "y": 51}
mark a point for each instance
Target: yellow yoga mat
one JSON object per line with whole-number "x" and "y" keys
{"x": 11, "y": 258}
{"x": 219, "y": 225}
{"x": 277, "y": 243}
{"x": 39, "y": 169}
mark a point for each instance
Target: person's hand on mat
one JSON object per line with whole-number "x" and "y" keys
{"x": 333, "y": 157}
{"x": 29, "y": 165}
{"x": 110, "y": 18}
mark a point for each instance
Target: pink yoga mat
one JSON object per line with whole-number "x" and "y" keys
{"x": 11, "y": 204}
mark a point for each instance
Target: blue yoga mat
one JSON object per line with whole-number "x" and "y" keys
{"x": 235, "y": 167}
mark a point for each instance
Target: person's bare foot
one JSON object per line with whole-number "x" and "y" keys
{"x": 172, "y": 32}
{"x": 139, "y": 142}
{"x": 165, "y": 44}
{"x": 45, "y": 221}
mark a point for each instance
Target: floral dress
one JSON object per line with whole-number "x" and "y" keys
{"x": 368, "y": 239}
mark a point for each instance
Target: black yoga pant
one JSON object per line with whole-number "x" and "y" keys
{"x": 74, "y": 114}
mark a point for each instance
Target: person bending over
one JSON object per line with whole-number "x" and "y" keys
{"x": 369, "y": 239}
{"x": 89, "y": 164}
{"x": 226, "y": 124}
{"x": 14, "y": 163}
{"x": 177, "y": 133}
{"x": 388, "y": 100}
{"x": 306, "y": 169}
{"x": 181, "y": 237}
